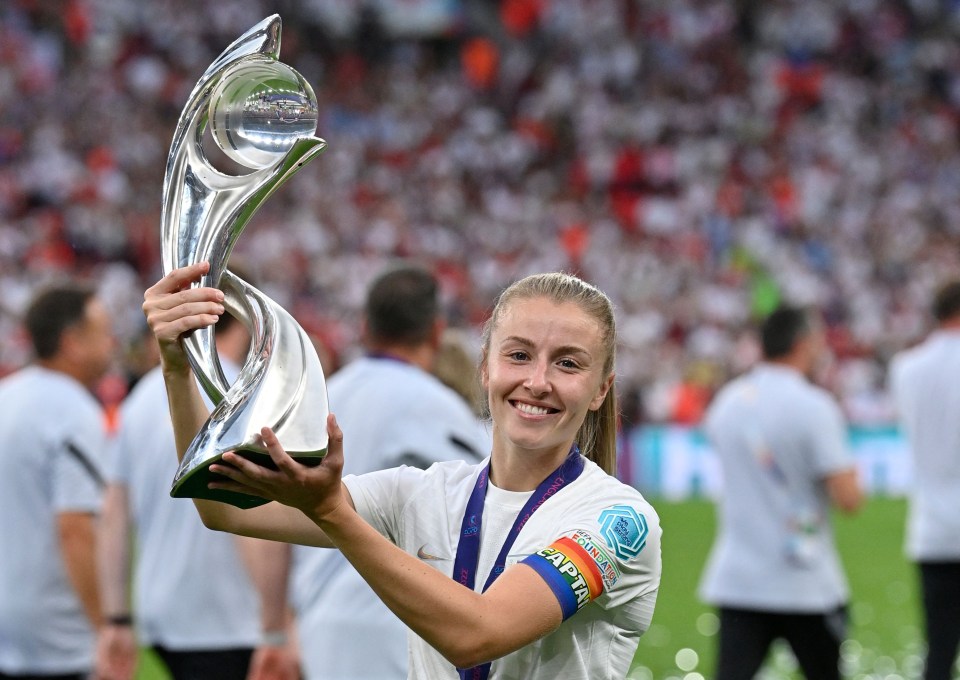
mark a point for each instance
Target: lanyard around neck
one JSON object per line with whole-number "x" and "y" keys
{"x": 468, "y": 547}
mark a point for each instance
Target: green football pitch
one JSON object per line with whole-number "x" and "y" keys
{"x": 884, "y": 638}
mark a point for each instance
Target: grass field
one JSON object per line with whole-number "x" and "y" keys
{"x": 884, "y": 638}
{"x": 884, "y": 641}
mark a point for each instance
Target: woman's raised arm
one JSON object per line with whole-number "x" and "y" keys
{"x": 172, "y": 308}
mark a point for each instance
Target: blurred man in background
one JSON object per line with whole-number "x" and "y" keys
{"x": 211, "y": 605}
{"x": 925, "y": 384}
{"x": 774, "y": 571}
{"x": 392, "y": 411}
{"x": 53, "y": 435}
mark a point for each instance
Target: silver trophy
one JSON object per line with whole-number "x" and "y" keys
{"x": 262, "y": 115}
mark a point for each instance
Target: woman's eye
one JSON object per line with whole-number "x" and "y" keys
{"x": 568, "y": 363}
{"x": 518, "y": 355}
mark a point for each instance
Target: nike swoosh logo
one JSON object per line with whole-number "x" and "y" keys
{"x": 424, "y": 555}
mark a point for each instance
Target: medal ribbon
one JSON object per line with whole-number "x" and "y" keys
{"x": 468, "y": 547}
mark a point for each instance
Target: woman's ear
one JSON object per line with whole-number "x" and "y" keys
{"x": 602, "y": 393}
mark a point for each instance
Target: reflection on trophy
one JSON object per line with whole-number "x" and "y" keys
{"x": 262, "y": 115}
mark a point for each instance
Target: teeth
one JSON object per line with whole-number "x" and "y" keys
{"x": 532, "y": 410}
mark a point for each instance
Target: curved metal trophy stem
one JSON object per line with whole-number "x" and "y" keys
{"x": 204, "y": 212}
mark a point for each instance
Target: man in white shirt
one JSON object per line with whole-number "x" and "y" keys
{"x": 925, "y": 385}
{"x": 394, "y": 412}
{"x": 774, "y": 571}
{"x": 52, "y": 431}
{"x": 207, "y": 613}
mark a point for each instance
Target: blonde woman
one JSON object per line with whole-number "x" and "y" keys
{"x": 535, "y": 563}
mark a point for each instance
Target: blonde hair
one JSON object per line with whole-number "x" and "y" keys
{"x": 597, "y": 436}
{"x": 456, "y": 367}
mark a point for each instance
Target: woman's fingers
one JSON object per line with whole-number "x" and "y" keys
{"x": 335, "y": 442}
{"x": 230, "y": 475}
{"x": 291, "y": 483}
{"x": 238, "y": 474}
{"x": 178, "y": 279}
{"x": 277, "y": 454}
{"x": 167, "y": 332}
{"x": 203, "y": 308}
{"x": 172, "y": 307}
{"x": 239, "y": 468}
{"x": 192, "y": 300}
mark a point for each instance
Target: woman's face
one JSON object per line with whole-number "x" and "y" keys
{"x": 543, "y": 371}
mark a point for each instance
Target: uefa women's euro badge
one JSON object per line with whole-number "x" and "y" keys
{"x": 263, "y": 115}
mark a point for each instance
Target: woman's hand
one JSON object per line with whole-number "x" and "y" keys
{"x": 173, "y": 308}
{"x": 314, "y": 490}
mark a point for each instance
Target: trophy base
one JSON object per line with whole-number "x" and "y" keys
{"x": 195, "y": 483}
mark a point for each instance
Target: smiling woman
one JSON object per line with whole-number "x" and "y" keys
{"x": 536, "y": 563}
{"x": 550, "y": 345}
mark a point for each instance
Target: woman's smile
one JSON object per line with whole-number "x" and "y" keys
{"x": 532, "y": 409}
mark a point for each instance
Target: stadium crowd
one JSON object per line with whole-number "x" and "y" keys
{"x": 699, "y": 160}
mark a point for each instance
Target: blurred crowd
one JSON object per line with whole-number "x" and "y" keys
{"x": 699, "y": 160}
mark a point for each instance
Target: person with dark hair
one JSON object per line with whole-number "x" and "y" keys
{"x": 782, "y": 331}
{"x": 925, "y": 385}
{"x": 774, "y": 572}
{"x": 535, "y": 563}
{"x": 205, "y": 618}
{"x": 53, "y": 434}
{"x": 402, "y": 308}
{"x": 395, "y": 412}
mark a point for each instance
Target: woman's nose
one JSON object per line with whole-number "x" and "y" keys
{"x": 538, "y": 380}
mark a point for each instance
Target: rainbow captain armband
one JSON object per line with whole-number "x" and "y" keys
{"x": 576, "y": 569}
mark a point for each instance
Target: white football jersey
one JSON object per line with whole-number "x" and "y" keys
{"x": 596, "y": 542}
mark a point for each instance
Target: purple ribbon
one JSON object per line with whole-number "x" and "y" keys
{"x": 468, "y": 547}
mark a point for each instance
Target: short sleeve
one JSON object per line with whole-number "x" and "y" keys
{"x": 610, "y": 556}
{"x": 828, "y": 438}
{"x": 379, "y": 497}
{"x": 77, "y": 476}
